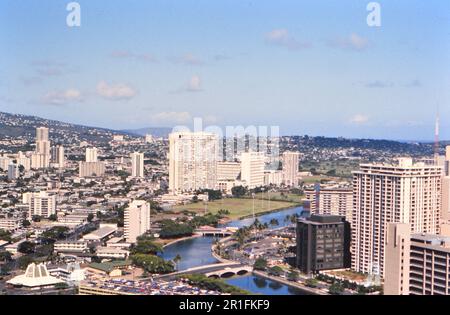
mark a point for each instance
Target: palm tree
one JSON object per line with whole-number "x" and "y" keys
{"x": 176, "y": 260}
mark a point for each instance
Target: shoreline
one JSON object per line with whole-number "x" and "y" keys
{"x": 295, "y": 285}
{"x": 269, "y": 211}
{"x": 181, "y": 239}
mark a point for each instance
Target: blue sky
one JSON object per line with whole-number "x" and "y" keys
{"x": 310, "y": 67}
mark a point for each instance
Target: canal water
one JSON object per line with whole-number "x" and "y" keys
{"x": 197, "y": 252}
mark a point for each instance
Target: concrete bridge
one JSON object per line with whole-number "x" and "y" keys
{"x": 212, "y": 231}
{"x": 220, "y": 270}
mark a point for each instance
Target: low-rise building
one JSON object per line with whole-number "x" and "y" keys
{"x": 71, "y": 246}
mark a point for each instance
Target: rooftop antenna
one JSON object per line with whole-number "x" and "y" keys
{"x": 436, "y": 138}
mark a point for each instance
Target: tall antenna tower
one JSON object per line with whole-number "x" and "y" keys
{"x": 436, "y": 139}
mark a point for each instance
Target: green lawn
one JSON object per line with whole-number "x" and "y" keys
{"x": 278, "y": 196}
{"x": 238, "y": 207}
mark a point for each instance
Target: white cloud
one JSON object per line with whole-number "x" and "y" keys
{"x": 187, "y": 59}
{"x": 359, "y": 119}
{"x": 115, "y": 92}
{"x": 352, "y": 42}
{"x": 125, "y": 54}
{"x": 281, "y": 37}
{"x": 62, "y": 97}
{"x": 171, "y": 118}
{"x": 194, "y": 84}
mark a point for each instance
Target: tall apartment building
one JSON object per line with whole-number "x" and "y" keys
{"x": 252, "y": 169}
{"x": 57, "y": 155}
{"x": 416, "y": 264}
{"x": 91, "y": 155}
{"x": 41, "y": 157}
{"x": 404, "y": 193}
{"x": 39, "y": 160}
{"x": 290, "y": 162}
{"x": 334, "y": 201}
{"x": 4, "y": 162}
{"x": 13, "y": 171}
{"x": 23, "y": 160}
{"x": 446, "y": 190}
{"x": 42, "y": 141}
{"x": 323, "y": 243}
{"x": 42, "y": 204}
{"x": 136, "y": 220}
{"x": 137, "y": 164}
{"x": 91, "y": 169}
{"x": 192, "y": 161}
{"x": 228, "y": 170}
{"x": 273, "y": 177}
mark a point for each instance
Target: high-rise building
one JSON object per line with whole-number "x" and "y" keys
{"x": 42, "y": 204}
{"x": 404, "y": 193}
{"x": 137, "y": 164}
{"x": 192, "y": 161}
{"x": 39, "y": 160}
{"x": 91, "y": 155}
{"x": 4, "y": 162}
{"x": 445, "y": 211}
{"x": 136, "y": 220}
{"x": 42, "y": 141}
{"x": 290, "y": 162}
{"x": 41, "y": 157}
{"x": 334, "y": 201}
{"x": 323, "y": 243}
{"x": 23, "y": 160}
{"x": 148, "y": 138}
{"x": 228, "y": 170}
{"x": 252, "y": 169}
{"x": 416, "y": 264}
{"x": 58, "y": 155}
{"x": 91, "y": 169}
{"x": 273, "y": 177}
{"x": 13, "y": 171}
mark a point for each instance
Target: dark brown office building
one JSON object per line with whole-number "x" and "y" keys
{"x": 323, "y": 242}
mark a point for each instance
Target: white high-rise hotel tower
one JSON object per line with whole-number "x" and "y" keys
{"x": 192, "y": 161}
{"x": 404, "y": 193}
{"x": 137, "y": 164}
{"x": 41, "y": 157}
{"x": 136, "y": 220}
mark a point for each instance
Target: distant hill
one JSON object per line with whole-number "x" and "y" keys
{"x": 24, "y": 126}
{"x": 156, "y": 132}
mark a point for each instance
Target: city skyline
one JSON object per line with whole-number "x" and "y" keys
{"x": 138, "y": 65}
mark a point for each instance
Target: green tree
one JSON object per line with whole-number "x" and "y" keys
{"x": 26, "y": 223}
{"x": 53, "y": 217}
{"x": 146, "y": 246}
{"x": 311, "y": 282}
{"x": 276, "y": 271}
{"x": 171, "y": 229}
{"x": 26, "y": 247}
{"x": 152, "y": 263}
{"x": 293, "y": 275}
{"x": 239, "y": 191}
{"x": 176, "y": 260}
{"x": 336, "y": 289}
{"x": 90, "y": 217}
{"x": 260, "y": 264}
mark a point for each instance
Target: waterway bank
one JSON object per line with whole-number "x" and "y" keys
{"x": 268, "y": 212}
{"x": 308, "y": 290}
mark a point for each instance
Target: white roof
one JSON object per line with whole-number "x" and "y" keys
{"x": 100, "y": 233}
{"x": 35, "y": 276}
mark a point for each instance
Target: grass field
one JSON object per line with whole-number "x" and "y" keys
{"x": 238, "y": 207}
{"x": 277, "y": 196}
